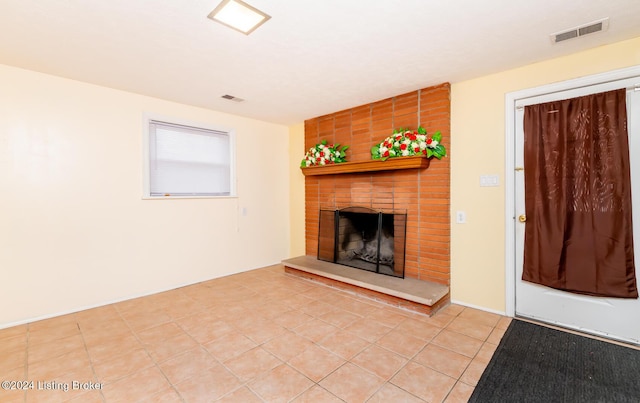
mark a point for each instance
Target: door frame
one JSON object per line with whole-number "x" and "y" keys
{"x": 510, "y": 132}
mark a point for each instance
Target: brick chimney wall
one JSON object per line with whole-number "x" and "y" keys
{"x": 423, "y": 193}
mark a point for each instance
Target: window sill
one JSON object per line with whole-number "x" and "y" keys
{"x": 147, "y": 197}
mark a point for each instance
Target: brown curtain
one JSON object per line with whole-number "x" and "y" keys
{"x": 578, "y": 234}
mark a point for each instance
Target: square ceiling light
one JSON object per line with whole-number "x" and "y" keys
{"x": 238, "y": 15}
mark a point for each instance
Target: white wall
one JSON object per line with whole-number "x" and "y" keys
{"x": 74, "y": 230}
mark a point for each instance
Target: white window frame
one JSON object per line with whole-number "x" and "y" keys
{"x": 146, "y": 188}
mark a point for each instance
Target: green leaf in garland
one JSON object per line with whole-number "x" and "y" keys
{"x": 437, "y": 136}
{"x": 324, "y": 142}
{"x": 375, "y": 152}
{"x": 439, "y": 151}
{"x": 345, "y": 148}
{"x": 421, "y": 130}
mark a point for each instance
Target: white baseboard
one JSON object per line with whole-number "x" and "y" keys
{"x": 481, "y": 308}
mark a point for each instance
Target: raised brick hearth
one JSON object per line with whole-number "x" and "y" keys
{"x": 415, "y": 295}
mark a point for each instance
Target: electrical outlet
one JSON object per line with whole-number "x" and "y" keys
{"x": 461, "y": 217}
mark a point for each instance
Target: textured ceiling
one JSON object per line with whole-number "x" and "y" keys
{"x": 312, "y": 58}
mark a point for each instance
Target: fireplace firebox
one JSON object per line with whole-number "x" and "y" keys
{"x": 363, "y": 238}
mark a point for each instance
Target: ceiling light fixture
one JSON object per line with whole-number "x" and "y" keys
{"x": 238, "y": 15}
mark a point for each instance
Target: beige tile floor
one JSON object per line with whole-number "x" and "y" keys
{"x": 259, "y": 336}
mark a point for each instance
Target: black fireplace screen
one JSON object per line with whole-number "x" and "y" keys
{"x": 363, "y": 238}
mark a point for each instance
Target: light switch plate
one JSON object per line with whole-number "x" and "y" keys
{"x": 489, "y": 180}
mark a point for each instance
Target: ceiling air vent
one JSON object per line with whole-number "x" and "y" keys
{"x": 232, "y": 98}
{"x": 590, "y": 28}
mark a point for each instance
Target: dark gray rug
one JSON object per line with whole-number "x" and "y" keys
{"x": 536, "y": 364}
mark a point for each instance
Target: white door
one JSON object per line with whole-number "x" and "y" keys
{"x": 614, "y": 318}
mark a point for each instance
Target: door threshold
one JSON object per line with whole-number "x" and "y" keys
{"x": 580, "y": 332}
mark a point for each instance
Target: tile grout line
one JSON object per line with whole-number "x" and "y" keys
{"x": 86, "y": 349}
{"x": 144, "y": 346}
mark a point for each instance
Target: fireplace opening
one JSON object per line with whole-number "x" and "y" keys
{"x": 364, "y": 239}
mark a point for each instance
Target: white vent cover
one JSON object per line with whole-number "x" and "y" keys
{"x": 589, "y": 28}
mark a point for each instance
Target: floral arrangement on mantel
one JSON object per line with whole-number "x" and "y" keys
{"x": 324, "y": 154}
{"x": 405, "y": 143}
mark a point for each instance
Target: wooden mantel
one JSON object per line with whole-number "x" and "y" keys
{"x": 417, "y": 162}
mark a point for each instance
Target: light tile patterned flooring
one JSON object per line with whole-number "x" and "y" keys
{"x": 259, "y": 336}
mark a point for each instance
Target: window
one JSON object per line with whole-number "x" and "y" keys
{"x": 187, "y": 161}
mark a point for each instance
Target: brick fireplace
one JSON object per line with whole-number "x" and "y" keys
{"x": 423, "y": 193}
